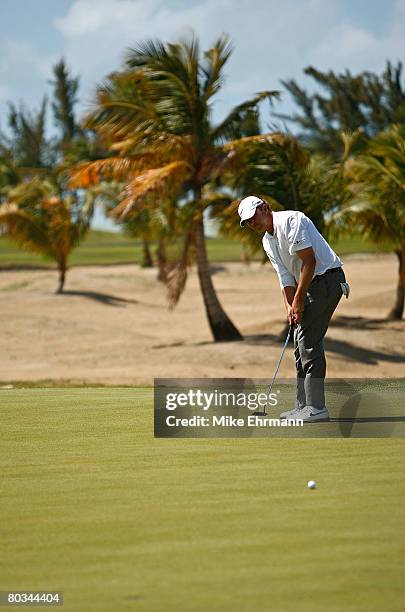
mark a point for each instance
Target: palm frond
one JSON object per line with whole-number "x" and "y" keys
{"x": 277, "y": 138}
{"x": 215, "y": 59}
{"x": 28, "y": 194}
{"x": 368, "y": 219}
{"x": 143, "y": 53}
{"x": 226, "y": 128}
{"x": 152, "y": 185}
{"x": 254, "y": 163}
{"x": 115, "y": 168}
{"x": 124, "y": 106}
{"x": 376, "y": 182}
{"x": 25, "y": 229}
{"x": 172, "y": 70}
{"x": 349, "y": 139}
{"x": 371, "y": 163}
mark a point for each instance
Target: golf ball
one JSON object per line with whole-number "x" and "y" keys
{"x": 311, "y": 484}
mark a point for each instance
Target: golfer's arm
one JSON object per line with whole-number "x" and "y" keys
{"x": 307, "y": 271}
{"x": 284, "y": 277}
{"x": 288, "y": 295}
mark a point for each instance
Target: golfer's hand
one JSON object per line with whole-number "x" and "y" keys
{"x": 290, "y": 316}
{"x": 296, "y": 310}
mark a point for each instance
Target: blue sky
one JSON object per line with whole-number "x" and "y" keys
{"x": 273, "y": 40}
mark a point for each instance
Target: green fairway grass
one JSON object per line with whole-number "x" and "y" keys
{"x": 102, "y": 248}
{"x": 93, "y": 505}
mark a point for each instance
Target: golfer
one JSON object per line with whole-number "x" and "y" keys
{"x": 312, "y": 282}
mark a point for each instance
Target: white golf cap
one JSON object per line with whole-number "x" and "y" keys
{"x": 247, "y": 208}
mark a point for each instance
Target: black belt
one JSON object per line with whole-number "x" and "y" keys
{"x": 319, "y": 276}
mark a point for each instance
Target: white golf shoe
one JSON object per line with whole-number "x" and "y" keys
{"x": 290, "y": 414}
{"x": 309, "y": 413}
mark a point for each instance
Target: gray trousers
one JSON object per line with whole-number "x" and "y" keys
{"x": 322, "y": 297}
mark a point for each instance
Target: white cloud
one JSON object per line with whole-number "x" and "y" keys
{"x": 24, "y": 72}
{"x": 393, "y": 44}
{"x": 20, "y": 55}
{"x": 86, "y": 17}
{"x": 272, "y": 39}
{"x": 355, "y": 48}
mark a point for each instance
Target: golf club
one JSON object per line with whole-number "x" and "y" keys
{"x": 258, "y": 413}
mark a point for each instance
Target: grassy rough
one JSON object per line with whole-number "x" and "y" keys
{"x": 93, "y": 505}
{"x": 103, "y": 248}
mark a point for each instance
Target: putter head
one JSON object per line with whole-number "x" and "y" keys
{"x": 258, "y": 413}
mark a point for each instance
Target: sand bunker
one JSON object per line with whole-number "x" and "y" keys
{"x": 113, "y": 325}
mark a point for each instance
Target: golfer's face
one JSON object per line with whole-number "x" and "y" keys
{"x": 259, "y": 221}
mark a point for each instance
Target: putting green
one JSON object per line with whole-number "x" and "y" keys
{"x": 93, "y": 505}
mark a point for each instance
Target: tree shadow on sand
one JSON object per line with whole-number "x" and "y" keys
{"x": 103, "y": 298}
{"x": 359, "y": 354}
{"x": 340, "y": 347}
{"x": 365, "y": 323}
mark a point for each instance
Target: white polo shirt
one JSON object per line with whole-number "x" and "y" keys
{"x": 292, "y": 232}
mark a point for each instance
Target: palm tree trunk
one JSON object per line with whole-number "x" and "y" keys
{"x": 62, "y": 274}
{"x": 147, "y": 261}
{"x": 398, "y": 308}
{"x": 245, "y": 257}
{"x": 161, "y": 260}
{"x": 221, "y": 326}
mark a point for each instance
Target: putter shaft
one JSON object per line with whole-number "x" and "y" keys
{"x": 281, "y": 357}
{"x": 278, "y": 366}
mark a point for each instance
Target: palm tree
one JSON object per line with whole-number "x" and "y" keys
{"x": 65, "y": 89}
{"x": 145, "y": 227}
{"x": 9, "y": 171}
{"x": 292, "y": 178}
{"x": 37, "y": 209}
{"x": 377, "y": 205}
{"x": 156, "y": 116}
{"x": 43, "y": 220}
{"x": 28, "y": 143}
